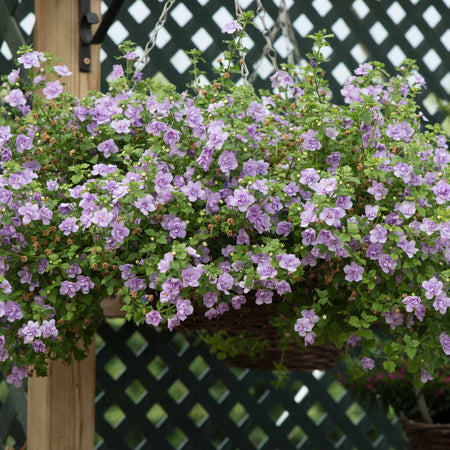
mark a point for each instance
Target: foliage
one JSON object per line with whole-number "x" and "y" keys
{"x": 400, "y": 391}
{"x": 338, "y": 215}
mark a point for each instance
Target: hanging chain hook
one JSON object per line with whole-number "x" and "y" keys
{"x": 244, "y": 69}
{"x": 284, "y": 22}
{"x": 268, "y": 49}
{"x": 143, "y": 60}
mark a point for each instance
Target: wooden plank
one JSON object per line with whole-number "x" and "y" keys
{"x": 56, "y": 31}
{"x": 61, "y": 409}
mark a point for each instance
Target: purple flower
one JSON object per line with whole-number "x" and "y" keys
{"x": 153, "y": 318}
{"x": 266, "y": 271}
{"x": 325, "y": 186}
{"x": 30, "y": 331}
{"x": 29, "y": 212}
{"x": 403, "y": 171}
{"x": 69, "y": 288}
{"x": 119, "y": 231}
{"x": 241, "y": 199}
{"x": 387, "y": 264}
{"x": 371, "y": 212}
{"x": 184, "y": 309}
{"x": 237, "y": 301}
{"x": 394, "y": 319}
{"x": 48, "y": 328}
{"x": 378, "y": 234}
{"x": 309, "y": 140}
{"x": 411, "y": 303}
{"x": 175, "y": 226}
{"x": 400, "y": 131}
{"x": 444, "y": 338}
{"x": 84, "y": 284}
{"x": 288, "y": 262}
{"x": 377, "y": 190}
{"x": 310, "y": 338}
{"x": 52, "y": 90}
{"x": 102, "y": 218}
{"x": 146, "y": 204}
{"x": 363, "y": 69}
{"x": 225, "y": 282}
{"x": 442, "y": 192}
{"x": 193, "y": 191}
{"x": 15, "y": 98}
{"x": 13, "y": 311}
{"x": 210, "y": 299}
{"x": 17, "y": 375}
{"x": 260, "y": 221}
{"x": 171, "y": 137}
{"x": 107, "y": 148}
{"x": 263, "y": 296}
{"x": 6, "y": 286}
{"x": 425, "y": 376}
{"x": 69, "y": 225}
{"x": 353, "y": 272}
{"x": 31, "y": 59}
{"x": 121, "y": 126}
{"x": 367, "y": 363}
{"x": 191, "y": 275}
{"x": 164, "y": 264}
{"x": 73, "y": 270}
{"x": 284, "y": 228}
{"x": 227, "y": 161}
{"x": 13, "y": 76}
{"x": 331, "y": 216}
{"x": 353, "y": 340}
{"x": 23, "y": 143}
{"x": 433, "y": 287}
{"x": 231, "y": 27}
{"x": 281, "y": 78}
{"x": 62, "y": 71}
{"x": 117, "y": 72}
{"x": 441, "y": 303}
{"x": 408, "y": 209}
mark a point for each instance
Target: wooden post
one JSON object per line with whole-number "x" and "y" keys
{"x": 61, "y": 409}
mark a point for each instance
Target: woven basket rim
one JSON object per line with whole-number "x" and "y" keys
{"x": 411, "y": 423}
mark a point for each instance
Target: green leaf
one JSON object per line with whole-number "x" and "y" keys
{"x": 389, "y": 365}
{"x": 355, "y": 322}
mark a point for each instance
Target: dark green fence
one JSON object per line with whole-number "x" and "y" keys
{"x": 158, "y": 391}
{"x": 384, "y": 30}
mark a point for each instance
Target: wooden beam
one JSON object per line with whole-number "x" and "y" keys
{"x": 61, "y": 409}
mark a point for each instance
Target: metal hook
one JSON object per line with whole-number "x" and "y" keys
{"x": 88, "y": 18}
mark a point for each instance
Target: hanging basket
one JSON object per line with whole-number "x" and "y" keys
{"x": 426, "y": 436}
{"x": 253, "y": 320}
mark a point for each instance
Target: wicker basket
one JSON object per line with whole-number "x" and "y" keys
{"x": 253, "y": 320}
{"x": 426, "y": 436}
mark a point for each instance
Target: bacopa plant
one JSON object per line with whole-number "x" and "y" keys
{"x": 337, "y": 215}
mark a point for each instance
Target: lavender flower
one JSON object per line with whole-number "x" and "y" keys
{"x": 231, "y": 27}
{"x": 444, "y": 338}
{"x": 367, "y": 363}
{"x": 353, "y": 272}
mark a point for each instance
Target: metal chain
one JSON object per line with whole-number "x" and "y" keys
{"x": 244, "y": 69}
{"x": 283, "y": 24}
{"x": 143, "y": 60}
{"x": 288, "y": 32}
{"x": 268, "y": 49}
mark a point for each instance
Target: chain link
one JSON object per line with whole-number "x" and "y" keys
{"x": 268, "y": 49}
{"x": 283, "y": 23}
{"x": 244, "y": 69}
{"x": 143, "y": 60}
